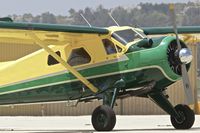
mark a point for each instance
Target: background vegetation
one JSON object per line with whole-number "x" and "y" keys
{"x": 144, "y": 14}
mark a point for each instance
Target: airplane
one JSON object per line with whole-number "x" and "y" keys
{"x": 87, "y": 63}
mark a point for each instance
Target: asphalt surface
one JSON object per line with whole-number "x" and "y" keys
{"x": 82, "y": 124}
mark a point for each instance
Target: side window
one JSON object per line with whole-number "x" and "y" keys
{"x": 78, "y": 56}
{"x": 119, "y": 49}
{"x": 109, "y": 46}
{"x": 51, "y": 60}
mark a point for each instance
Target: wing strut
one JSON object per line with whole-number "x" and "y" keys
{"x": 62, "y": 62}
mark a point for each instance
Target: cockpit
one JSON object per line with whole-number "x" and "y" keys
{"x": 125, "y": 37}
{"x": 128, "y": 35}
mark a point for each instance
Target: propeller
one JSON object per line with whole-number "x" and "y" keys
{"x": 185, "y": 56}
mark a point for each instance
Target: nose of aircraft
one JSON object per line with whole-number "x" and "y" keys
{"x": 185, "y": 55}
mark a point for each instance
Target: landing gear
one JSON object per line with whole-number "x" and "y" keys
{"x": 182, "y": 117}
{"x": 103, "y": 118}
{"x": 187, "y": 116}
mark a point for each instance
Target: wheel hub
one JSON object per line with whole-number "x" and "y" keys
{"x": 102, "y": 119}
{"x": 181, "y": 118}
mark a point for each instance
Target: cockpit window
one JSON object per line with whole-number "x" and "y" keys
{"x": 109, "y": 46}
{"x": 126, "y": 36}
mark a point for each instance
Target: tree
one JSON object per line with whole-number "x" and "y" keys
{"x": 27, "y": 17}
{"x": 48, "y": 18}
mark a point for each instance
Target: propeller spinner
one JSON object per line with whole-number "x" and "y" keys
{"x": 185, "y": 55}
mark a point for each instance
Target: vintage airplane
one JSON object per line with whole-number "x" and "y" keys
{"x": 86, "y": 63}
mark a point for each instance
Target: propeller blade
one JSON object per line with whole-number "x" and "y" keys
{"x": 187, "y": 85}
{"x": 173, "y": 17}
{"x": 185, "y": 77}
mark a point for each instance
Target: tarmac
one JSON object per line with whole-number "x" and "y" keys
{"x": 82, "y": 124}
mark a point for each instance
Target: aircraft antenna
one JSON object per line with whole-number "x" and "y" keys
{"x": 85, "y": 20}
{"x": 113, "y": 19}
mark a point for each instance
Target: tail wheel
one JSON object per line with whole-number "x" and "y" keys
{"x": 103, "y": 118}
{"x": 187, "y": 115}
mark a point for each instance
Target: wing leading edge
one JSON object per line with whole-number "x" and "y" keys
{"x": 52, "y": 27}
{"x": 169, "y": 30}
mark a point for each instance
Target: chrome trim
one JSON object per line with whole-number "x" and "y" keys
{"x": 185, "y": 55}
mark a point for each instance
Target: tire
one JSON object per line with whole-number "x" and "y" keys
{"x": 187, "y": 115}
{"x": 103, "y": 118}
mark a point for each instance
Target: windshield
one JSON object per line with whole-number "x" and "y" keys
{"x": 126, "y": 36}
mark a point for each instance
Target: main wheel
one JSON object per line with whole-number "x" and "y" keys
{"x": 103, "y": 118}
{"x": 187, "y": 115}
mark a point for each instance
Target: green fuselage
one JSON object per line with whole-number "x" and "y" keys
{"x": 138, "y": 67}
